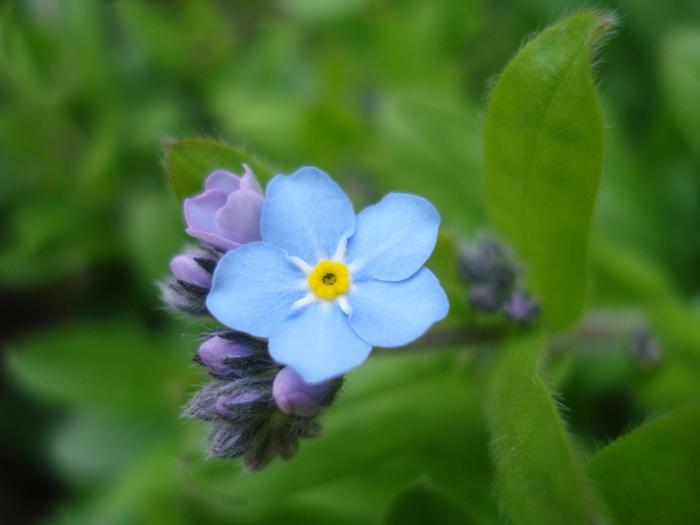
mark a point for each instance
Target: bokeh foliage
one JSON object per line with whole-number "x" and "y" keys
{"x": 385, "y": 95}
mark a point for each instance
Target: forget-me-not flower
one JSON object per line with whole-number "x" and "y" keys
{"x": 325, "y": 286}
{"x": 227, "y": 214}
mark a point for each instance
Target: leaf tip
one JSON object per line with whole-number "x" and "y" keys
{"x": 607, "y": 21}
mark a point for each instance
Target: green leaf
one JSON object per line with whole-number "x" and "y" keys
{"x": 422, "y": 503}
{"x": 676, "y": 324}
{"x": 312, "y": 11}
{"x": 538, "y": 476}
{"x": 91, "y": 446}
{"x": 436, "y": 152}
{"x": 651, "y": 476}
{"x": 146, "y": 489}
{"x": 189, "y": 161}
{"x": 625, "y": 275}
{"x": 113, "y": 366}
{"x": 680, "y": 74}
{"x": 543, "y": 160}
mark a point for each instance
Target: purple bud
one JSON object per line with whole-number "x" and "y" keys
{"x": 489, "y": 250}
{"x": 294, "y": 396}
{"x": 646, "y": 347}
{"x": 226, "y": 440}
{"x": 227, "y": 214}
{"x": 483, "y": 297}
{"x": 520, "y": 307}
{"x": 213, "y": 352}
{"x": 186, "y": 268}
{"x": 502, "y": 277}
{"x": 487, "y": 264}
{"x": 183, "y": 297}
{"x": 472, "y": 269}
{"x": 227, "y": 405}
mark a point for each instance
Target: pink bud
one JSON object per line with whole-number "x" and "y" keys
{"x": 520, "y": 307}
{"x": 213, "y": 351}
{"x": 228, "y": 404}
{"x": 294, "y": 396}
{"x": 185, "y": 268}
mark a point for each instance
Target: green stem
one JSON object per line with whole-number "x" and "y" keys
{"x": 450, "y": 338}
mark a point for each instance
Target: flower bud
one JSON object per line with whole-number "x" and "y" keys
{"x": 471, "y": 267}
{"x": 237, "y": 404}
{"x": 187, "y": 289}
{"x": 646, "y": 347}
{"x": 186, "y": 267}
{"x": 214, "y": 351}
{"x": 502, "y": 277}
{"x": 233, "y": 354}
{"x": 247, "y": 420}
{"x": 520, "y": 307}
{"x": 486, "y": 264}
{"x": 183, "y": 297}
{"x": 483, "y": 297}
{"x": 242, "y": 400}
{"x": 489, "y": 251}
{"x": 227, "y": 215}
{"x": 294, "y": 396}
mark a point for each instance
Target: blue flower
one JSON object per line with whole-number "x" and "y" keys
{"x": 325, "y": 286}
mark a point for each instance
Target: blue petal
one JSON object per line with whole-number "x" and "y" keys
{"x": 254, "y": 288}
{"x": 306, "y": 214}
{"x": 394, "y": 237}
{"x": 317, "y": 342}
{"x": 386, "y": 313}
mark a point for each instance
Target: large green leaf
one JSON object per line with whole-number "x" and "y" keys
{"x": 189, "y": 161}
{"x": 625, "y": 275}
{"x": 93, "y": 446}
{"x": 422, "y": 503}
{"x": 651, "y": 476}
{"x": 543, "y": 160}
{"x": 538, "y": 476}
{"x": 680, "y": 74}
{"x": 676, "y": 324}
{"x": 435, "y": 152}
{"x": 113, "y": 366}
{"x": 145, "y": 490}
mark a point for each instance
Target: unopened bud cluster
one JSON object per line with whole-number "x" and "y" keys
{"x": 494, "y": 282}
{"x": 186, "y": 290}
{"x": 257, "y": 408}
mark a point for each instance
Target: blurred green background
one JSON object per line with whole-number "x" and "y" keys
{"x": 383, "y": 95}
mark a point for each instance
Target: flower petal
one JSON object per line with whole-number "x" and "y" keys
{"x": 254, "y": 288}
{"x": 200, "y": 210}
{"x": 306, "y": 214}
{"x": 239, "y": 219}
{"x": 212, "y": 239}
{"x": 394, "y": 237}
{"x": 317, "y": 342}
{"x": 223, "y": 180}
{"x": 388, "y": 313}
{"x": 249, "y": 182}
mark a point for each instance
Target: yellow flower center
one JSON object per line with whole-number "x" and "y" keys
{"x": 329, "y": 279}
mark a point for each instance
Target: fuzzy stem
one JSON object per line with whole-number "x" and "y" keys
{"x": 449, "y": 338}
